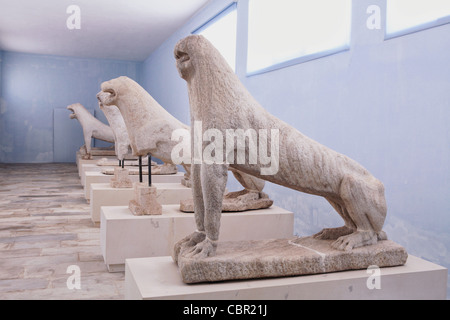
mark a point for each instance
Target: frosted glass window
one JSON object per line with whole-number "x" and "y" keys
{"x": 404, "y": 16}
{"x": 221, "y": 32}
{"x": 285, "y": 30}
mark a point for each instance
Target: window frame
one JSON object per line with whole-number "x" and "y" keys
{"x": 227, "y": 10}
{"x": 417, "y": 28}
{"x": 300, "y": 59}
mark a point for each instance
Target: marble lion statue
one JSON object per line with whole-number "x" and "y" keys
{"x": 92, "y": 127}
{"x": 150, "y": 129}
{"x": 219, "y": 100}
{"x": 117, "y": 124}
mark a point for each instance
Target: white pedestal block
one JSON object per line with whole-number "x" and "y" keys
{"x": 93, "y": 167}
{"x": 90, "y": 167}
{"x": 158, "y": 278}
{"x": 102, "y": 194}
{"x": 123, "y": 235}
{"x": 98, "y": 177}
{"x": 93, "y": 161}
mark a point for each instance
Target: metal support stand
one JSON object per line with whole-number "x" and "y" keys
{"x": 149, "y": 170}
{"x": 140, "y": 169}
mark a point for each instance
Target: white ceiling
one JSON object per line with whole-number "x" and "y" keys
{"x": 110, "y": 29}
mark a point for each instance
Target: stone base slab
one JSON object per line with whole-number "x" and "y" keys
{"x": 121, "y": 179}
{"x": 98, "y": 152}
{"x": 102, "y": 194}
{"x": 110, "y": 170}
{"x": 238, "y": 260}
{"x": 129, "y": 161}
{"x": 235, "y": 202}
{"x": 123, "y": 235}
{"x": 80, "y": 162}
{"x": 90, "y": 167}
{"x": 158, "y": 278}
{"x": 145, "y": 202}
{"x": 98, "y": 177}
{"x": 157, "y": 169}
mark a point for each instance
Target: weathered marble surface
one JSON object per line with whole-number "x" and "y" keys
{"x": 95, "y": 153}
{"x": 219, "y": 101}
{"x": 45, "y": 227}
{"x": 121, "y": 179}
{"x": 149, "y": 125}
{"x": 150, "y": 128}
{"x": 241, "y": 260}
{"x": 130, "y": 162}
{"x": 235, "y": 202}
{"x": 121, "y": 139}
{"x": 145, "y": 202}
{"x": 92, "y": 127}
{"x": 156, "y": 170}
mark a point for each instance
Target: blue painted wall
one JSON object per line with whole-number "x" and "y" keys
{"x": 384, "y": 103}
{"x": 1, "y": 60}
{"x": 34, "y": 85}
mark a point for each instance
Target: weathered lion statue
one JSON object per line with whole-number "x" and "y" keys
{"x": 92, "y": 127}
{"x": 116, "y": 123}
{"x": 150, "y": 129}
{"x": 220, "y": 101}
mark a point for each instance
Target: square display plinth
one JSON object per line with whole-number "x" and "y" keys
{"x": 102, "y": 194}
{"x": 93, "y": 161}
{"x": 93, "y": 167}
{"x": 98, "y": 177}
{"x": 90, "y": 167}
{"x": 272, "y": 258}
{"x": 123, "y": 235}
{"x": 157, "y": 278}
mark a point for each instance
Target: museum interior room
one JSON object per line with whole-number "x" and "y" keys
{"x": 226, "y": 150}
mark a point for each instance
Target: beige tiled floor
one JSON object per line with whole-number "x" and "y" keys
{"x": 45, "y": 227}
